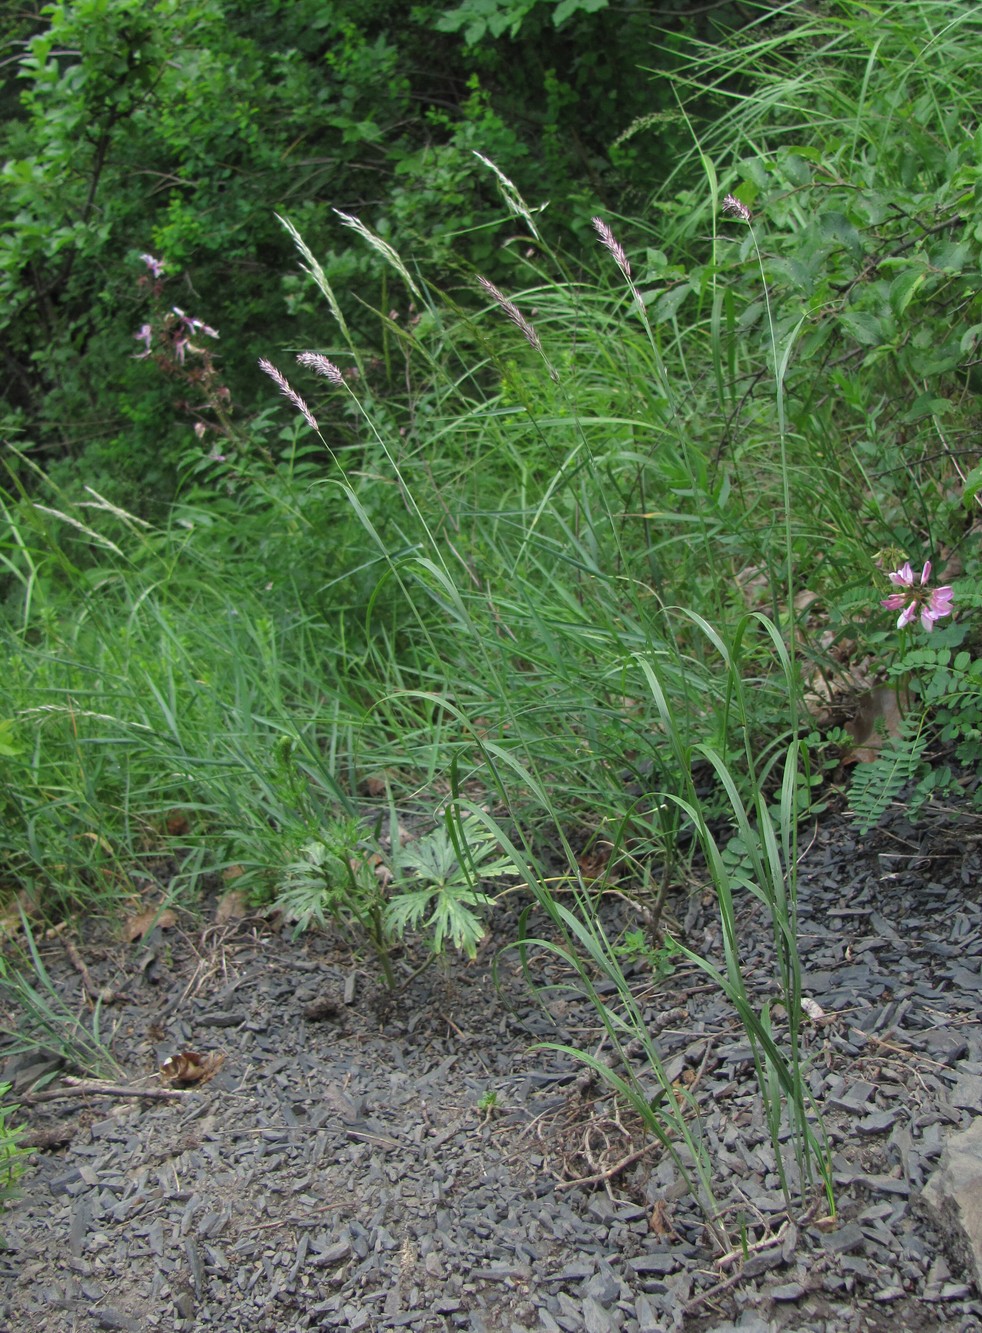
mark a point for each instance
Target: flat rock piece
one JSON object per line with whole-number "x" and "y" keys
{"x": 954, "y": 1195}
{"x": 967, "y": 1093}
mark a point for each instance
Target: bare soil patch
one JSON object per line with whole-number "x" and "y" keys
{"x": 360, "y": 1161}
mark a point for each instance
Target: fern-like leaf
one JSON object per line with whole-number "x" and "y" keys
{"x": 876, "y": 785}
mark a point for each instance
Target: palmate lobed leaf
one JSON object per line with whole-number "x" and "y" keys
{"x": 435, "y": 857}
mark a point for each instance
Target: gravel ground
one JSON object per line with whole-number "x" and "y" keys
{"x": 342, "y": 1169}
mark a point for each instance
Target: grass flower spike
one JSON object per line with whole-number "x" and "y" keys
{"x": 319, "y": 363}
{"x": 514, "y": 314}
{"x": 930, "y": 604}
{"x": 732, "y": 207}
{"x": 280, "y": 380}
{"x": 608, "y": 239}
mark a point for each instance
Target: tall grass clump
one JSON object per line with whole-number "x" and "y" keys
{"x": 852, "y": 136}
{"x": 574, "y": 669}
{"x": 696, "y": 481}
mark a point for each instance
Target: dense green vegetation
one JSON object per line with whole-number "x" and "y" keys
{"x": 184, "y": 129}
{"x": 570, "y": 566}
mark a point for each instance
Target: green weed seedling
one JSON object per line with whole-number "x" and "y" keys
{"x": 332, "y": 879}
{"x": 436, "y": 884}
{"x": 440, "y": 883}
{"x": 660, "y": 958}
{"x": 12, "y": 1154}
{"x": 487, "y": 1104}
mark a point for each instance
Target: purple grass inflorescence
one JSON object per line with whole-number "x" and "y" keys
{"x": 320, "y": 365}
{"x": 514, "y": 314}
{"x": 732, "y": 207}
{"x": 608, "y": 239}
{"x": 280, "y": 380}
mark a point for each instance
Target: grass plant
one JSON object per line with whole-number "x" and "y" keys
{"x": 13, "y": 1153}
{"x": 47, "y": 1022}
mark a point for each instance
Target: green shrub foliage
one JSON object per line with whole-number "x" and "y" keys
{"x": 180, "y": 129}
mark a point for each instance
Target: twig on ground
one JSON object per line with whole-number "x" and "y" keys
{"x": 451, "y": 1024}
{"x": 907, "y": 1052}
{"x": 98, "y": 1089}
{"x": 104, "y": 993}
{"x": 777, "y": 1238}
{"x": 712, "y": 1293}
{"x": 611, "y": 1171}
{"x": 298, "y": 1221}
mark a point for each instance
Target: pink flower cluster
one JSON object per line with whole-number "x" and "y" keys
{"x": 929, "y": 604}
{"x": 178, "y": 328}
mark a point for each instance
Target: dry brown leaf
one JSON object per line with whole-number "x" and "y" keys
{"x": 804, "y": 598}
{"x": 660, "y": 1221}
{"x": 99, "y": 840}
{"x": 177, "y": 823}
{"x": 754, "y": 583}
{"x": 323, "y": 1008}
{"x": 191, "y": 1067}
{"x": 231, "y": 907}
{"x": 135, "y": 927}
{"x": 593, "y": 862}
{"x": 879, "y": 717}
{"x": 11, "y": 921}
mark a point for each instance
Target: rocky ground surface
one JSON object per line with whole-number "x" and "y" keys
{"x": 353, "y": 1161}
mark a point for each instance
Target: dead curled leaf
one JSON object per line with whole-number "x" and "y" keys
{"x": 135, "y": 927}
{"x": 191, "y": 1067}
{"x": 231, "y": 907}
{"x": 660, "y": 1221}
{"x": 323, "y": 1008}
{"x": 879, "y": 717}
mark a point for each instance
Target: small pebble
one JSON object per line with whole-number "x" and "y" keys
{"x": 887, "y": 1294}
{"x": 787, "y": 1291}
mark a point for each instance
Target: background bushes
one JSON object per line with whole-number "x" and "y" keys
{"x": 181, "y": 129}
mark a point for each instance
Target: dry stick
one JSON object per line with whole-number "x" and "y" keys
{"x": 102, "y": 1090}
{"x": 298, "y": 1221}
{"x": 905, "y": 1051}
{"x": 451, "y": 1024}
{"x": 92, "y": 991}
{"x": 712, "y": 1293}
{"x": 634, "y": 1156}
{"x": 610, "y": 1172}
{"x": 768, "y": 1243}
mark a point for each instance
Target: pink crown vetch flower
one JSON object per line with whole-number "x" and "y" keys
{"x": 930, "y": 604}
